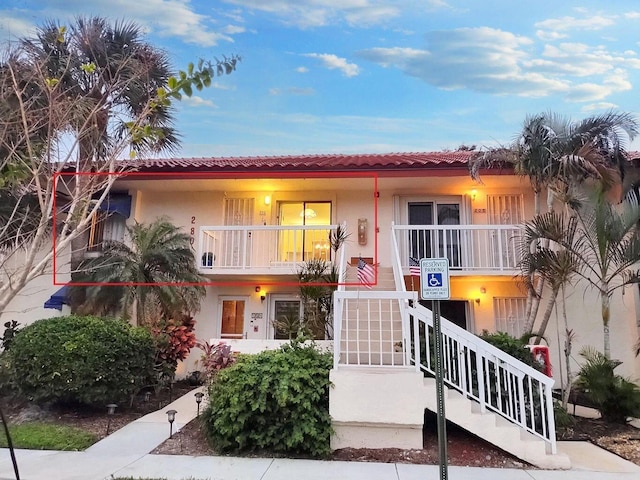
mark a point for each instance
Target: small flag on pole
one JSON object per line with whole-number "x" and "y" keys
{"x": 366, "y": 274}
{"x": 414, "y": 267}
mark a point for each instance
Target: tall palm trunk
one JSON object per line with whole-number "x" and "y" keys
{"x": 547, "y": 314}
{"x": 606, "y": 312}
{"x": 567, "y": 351}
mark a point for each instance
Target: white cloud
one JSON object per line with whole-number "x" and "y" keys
{"x": 196, "y": 101}
{"x": 233, "y": 29}
{"x": 556, "y": 28}
{"x": 498, "y": 62}
{"x": 481, "y": 59}
{"x": 302, "y": 69}
{"x": 632, "y": 15}
{"x": 550, "y": 36}
{"x": 596, "y": 22}
{"x": 166, "y": 18}
{"x": 318, "y": 13}
{"x": 334, "y": 62}
{"x": 297, "y": 91}
{"x": 221, "y": 86}
{"x": 599, "y": 106}
{"x": 13, "y": 26}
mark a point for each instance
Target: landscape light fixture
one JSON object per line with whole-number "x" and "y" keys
{"x": 171, "y": 416}
{"x": 147, "y": 397}
{"x": 111, "y": 410}
{"x": 199, "y": 396}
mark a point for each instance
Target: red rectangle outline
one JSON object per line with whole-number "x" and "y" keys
{"x": 215, "y": 176}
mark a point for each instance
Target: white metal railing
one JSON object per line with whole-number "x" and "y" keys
{"x": 238, "y": 247}
{"x": 486, "y": 374}
{"x": 475, "y": 248}
{"x": 368, "y": 328}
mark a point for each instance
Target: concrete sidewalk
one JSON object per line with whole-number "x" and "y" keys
{"x": 125, "y": 453}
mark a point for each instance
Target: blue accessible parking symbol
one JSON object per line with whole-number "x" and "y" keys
{"x": 435, "y": 279}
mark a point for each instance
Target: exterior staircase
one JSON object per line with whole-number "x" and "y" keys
{"x": 383, "y": 380}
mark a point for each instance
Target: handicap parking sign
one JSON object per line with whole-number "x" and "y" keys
{"x": 434, "y": 279}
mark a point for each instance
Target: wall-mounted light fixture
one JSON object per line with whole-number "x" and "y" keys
{"x": 258, "y": 289}
{"x": 267, "y": 199}
{"x": 478, "y": 301}
{"x": 474, "y": 193}
{"x": 263, "y": 298}
{"x": 483, "y": 290}
{"x": 362, "y": 231}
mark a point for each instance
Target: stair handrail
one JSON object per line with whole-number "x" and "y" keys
{"x": 489, "y": 354}
{"x": 398, "y": 276}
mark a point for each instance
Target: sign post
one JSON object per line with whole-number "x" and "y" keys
{"x": 434, "y": 285}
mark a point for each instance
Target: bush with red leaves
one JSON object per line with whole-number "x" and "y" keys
{"x": 174, "y": 340}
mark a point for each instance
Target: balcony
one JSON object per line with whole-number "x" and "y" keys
{"x": 261, "y": 249}
{"x": 471, "y": 249}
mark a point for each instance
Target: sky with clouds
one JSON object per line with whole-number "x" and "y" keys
{"x": 366, "y": 76}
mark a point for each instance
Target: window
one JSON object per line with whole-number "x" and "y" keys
{"x": 105, "y": 227}
{"x": 300, "y": 243}
{"x": 510, "y": 315}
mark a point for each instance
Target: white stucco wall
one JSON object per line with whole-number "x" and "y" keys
{"x": 28, "y": 305}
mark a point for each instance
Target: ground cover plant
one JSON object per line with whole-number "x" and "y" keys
{"x": 48, "y": 436}
{"x": 276, "y": 401}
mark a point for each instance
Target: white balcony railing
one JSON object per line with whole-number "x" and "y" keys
{"x": 479, "y": 249}
{"x": 270, "y": 248}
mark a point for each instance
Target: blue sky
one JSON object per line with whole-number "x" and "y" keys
{"x": 366, "y": 76}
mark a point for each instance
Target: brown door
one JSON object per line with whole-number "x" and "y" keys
{"x": 232, "y": 319}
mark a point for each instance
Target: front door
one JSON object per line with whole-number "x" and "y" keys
{"x": 424, "y": 243}
{"x": 456, "y": 311}
{"x": 232, "y": 318}
{"x": 286, "y": 312}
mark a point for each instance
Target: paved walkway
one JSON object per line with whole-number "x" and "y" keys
{"x": 125, "y": 453}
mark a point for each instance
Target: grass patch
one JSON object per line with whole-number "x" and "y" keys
{"x": 47, "y": 436}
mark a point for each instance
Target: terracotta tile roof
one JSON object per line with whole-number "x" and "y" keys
{"x": 319, "y": 162}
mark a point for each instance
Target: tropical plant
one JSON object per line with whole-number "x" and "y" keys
{"x": 277, "y": 401}
{"x": 558, "y": 154}
{"x": 174, "y": 339}
{"x": 99, "y": 90}
{"x": 155, "y": 273}
{"x": 215, "y": 358}
{"x": 615, "y": 397}
{"x": 602, "y": 241}
{"x": 318, "y": 279}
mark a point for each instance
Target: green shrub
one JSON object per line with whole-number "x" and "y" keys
{"x": 276, "y": 401}
{"x": 516, "y": 347}
{"x": 615, "y": 397}
{"x": 77, "y": 359}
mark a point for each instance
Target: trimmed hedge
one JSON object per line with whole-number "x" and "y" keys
{"x": 276, "y": 401}
{"x": 76, "y": 359}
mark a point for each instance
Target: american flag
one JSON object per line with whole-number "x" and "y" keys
{"x": 366, "y": 275}
{"x": 414, "y": 267}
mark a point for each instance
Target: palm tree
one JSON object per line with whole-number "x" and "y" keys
{"x": 557, "y": 266}
{"x": 605, "y": 244}
{"x": 558, "y": 154}
{"x": 156, "y": 274}
{"x": 114, "y": 74}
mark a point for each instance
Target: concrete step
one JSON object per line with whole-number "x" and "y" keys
{"x": 493, "y": 428}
